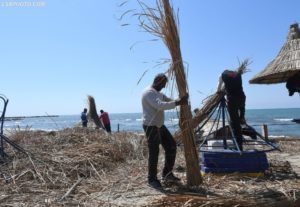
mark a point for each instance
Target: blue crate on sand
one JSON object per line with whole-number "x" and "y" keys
{"x": 251, "y": 163}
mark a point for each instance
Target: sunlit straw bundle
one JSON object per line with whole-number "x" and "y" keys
{"x": 161, "y": 22}
{"x": 93, "y": 112}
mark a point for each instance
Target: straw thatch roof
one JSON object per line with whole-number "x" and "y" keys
{"x": 287, "y": 62}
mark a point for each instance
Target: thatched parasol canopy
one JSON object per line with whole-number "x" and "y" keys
{"x": 287, "y": 62}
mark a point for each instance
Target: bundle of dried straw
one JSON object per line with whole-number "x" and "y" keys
{"x": 93, "y": 112}
{"x": 161, "y": 22}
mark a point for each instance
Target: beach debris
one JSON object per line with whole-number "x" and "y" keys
{"x": 71, "y": 189}
{"x": 4, "y": 139}
{"x": 84, "y": 170}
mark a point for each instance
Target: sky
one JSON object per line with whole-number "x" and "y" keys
{"x": 54, "y": 53}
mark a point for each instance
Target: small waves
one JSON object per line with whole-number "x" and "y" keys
{"x": 279, "y": 122}
{"x": 284, "y": 119}
{"x": 279, "y": 136}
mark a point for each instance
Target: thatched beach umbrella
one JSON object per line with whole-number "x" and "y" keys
{"x": 287, "y": 62}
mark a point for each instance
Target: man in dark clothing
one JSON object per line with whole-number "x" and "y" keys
{"x": 293, "y": 84}
{"x": 84, "y": 119}
{"x": 105, "y": 120}
{"x": 232, "y": 81}
{"x": 154, "y": 104}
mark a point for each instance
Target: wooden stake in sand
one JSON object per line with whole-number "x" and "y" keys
{"x": 162, "y": 24}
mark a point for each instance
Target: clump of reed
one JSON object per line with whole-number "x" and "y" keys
{"x": 93, "y": 112}
{"x": 56, "y": 161}
{"x": 86, "y": 167}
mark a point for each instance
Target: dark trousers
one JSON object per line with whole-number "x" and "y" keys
{"x": 84, "y": 124}
{"x": 156, "y": 136}
{"x": 236, "y": 109}
{"x": 107, "y": 128}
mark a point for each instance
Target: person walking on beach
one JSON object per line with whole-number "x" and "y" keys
{"x": 105, "y": 120}
{"x": 154, "y": 103}
{"x": 236, "y": 101}
{"x": 84, "y": 118}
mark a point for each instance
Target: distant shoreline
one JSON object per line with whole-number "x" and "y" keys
{"x": 15, "y": 118}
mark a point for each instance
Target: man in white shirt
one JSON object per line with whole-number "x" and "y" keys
{"x": 154, "y": 104}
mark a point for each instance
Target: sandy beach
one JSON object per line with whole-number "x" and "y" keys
{"x": 88, "y": 167}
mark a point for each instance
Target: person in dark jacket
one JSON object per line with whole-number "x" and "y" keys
{"x": 236, "y": 101}
{"x": 84, "y": 118}
{"x": 293, "y": 84}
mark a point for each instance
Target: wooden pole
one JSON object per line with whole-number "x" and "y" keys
{"x": 188, "y": 137}
{"x": 264, "y": 130}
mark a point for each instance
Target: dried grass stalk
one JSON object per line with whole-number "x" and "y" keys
{"x": 93, "y": 112}
{"x": 161, "y": 22}
{"x": 71, "y": 189}
{"x": 243, "y": 68}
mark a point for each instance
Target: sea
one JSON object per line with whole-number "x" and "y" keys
{"x": 279, "y": 121}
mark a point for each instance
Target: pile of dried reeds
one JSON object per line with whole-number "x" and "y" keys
{"x": 161, "y": 22}
{"x": 87, "y": 167}
{"x": 279, "y": 187}
{"x": 58, "y": 163}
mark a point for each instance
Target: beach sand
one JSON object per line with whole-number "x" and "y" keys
{"x": 88, "y": 167}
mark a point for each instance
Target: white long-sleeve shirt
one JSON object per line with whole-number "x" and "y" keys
{"x": 154, "y": 104}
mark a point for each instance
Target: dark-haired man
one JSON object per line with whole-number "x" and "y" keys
{"x": 154, "y": 104}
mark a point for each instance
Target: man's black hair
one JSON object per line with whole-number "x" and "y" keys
{"x": 159, "y": 77}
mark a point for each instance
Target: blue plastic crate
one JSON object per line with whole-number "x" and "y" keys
{"x": 227, "y": 161}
